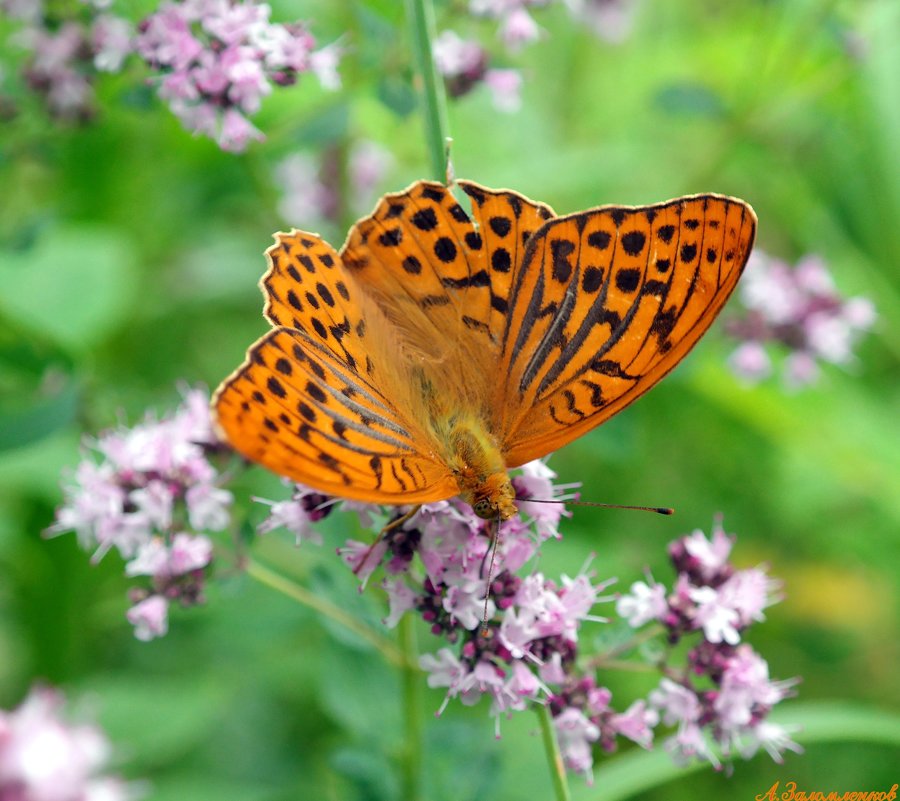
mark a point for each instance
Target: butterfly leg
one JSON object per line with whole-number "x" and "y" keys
{"x": 381, "y": 535}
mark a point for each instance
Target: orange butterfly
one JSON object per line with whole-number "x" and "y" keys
{"x": 440, "y": 348}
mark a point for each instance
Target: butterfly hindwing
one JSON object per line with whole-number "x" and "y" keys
{"x": 296, "y": 409}
{"x": 604, "y": 304}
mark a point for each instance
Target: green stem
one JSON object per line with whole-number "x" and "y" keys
{"x": 420, "y": 14}
{"x": 554, "y": 758}
{"x": 287, "y": 587}
{"x": 413, "y": 708}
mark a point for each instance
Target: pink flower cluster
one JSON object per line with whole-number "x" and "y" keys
{"x": 520, "y": 646}
{"x": 151, "y": 489}
{"x": 220, "y": 58}
{"x": 799, "y": 310}
{"x": 44, "y": 757}
{"x": 464, "y": 65}
{"x": 719, "y": 703}
{"x": 64, "y": 60}
{"x": 517, "y": 26}
{"x": 607, "y": 19}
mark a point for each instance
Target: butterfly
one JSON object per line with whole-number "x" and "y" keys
{"x": 441, "y": 346}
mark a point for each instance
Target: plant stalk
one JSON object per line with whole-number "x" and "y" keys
{"x": 554, "y": 757}
{"x": 413, "y": 712}
{"x": 420, "y": 15}
{"x": 302, "y": 595}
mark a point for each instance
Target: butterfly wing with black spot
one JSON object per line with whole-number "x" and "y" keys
{"x": 604, "y": 304}
{"x": 443, "y": 276}
{"x": 310, "y": 402}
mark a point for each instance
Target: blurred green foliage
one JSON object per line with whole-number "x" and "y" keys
{"x": 128, "y": 262}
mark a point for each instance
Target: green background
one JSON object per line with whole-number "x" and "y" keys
{"x": 129, "y": 254}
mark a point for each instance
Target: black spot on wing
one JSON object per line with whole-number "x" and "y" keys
{"x": 424, "y": 219}
{"x": 633, "y": 242}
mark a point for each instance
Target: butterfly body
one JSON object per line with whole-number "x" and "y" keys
{"x": 477, "y": 464}
{"x": 441, "y": 347}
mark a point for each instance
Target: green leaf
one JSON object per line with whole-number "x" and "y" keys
{"x": 367, "y": 771}
{"x": 26, "y": 420}
{"x": 398, "y": 95}
{"x": 330, "y": 124}
{"x": 690, "y": 100}
{"x": 135, "y": 709}
{"x": 74, "y": 286}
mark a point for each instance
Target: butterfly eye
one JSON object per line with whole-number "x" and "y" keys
{"x": 484, "y": 509}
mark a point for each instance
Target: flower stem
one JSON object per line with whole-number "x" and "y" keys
{"x": 292, "y": 590}
{"x": 413, "y": 709}
{"x": 554, "y": 758}
{"x": 420, "y": 15}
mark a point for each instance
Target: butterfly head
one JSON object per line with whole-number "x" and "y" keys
{"x": 493, "y": 498}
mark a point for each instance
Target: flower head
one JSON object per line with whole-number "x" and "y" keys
{"x": 45, "y": 757}
{"x": 218, "y": 60}
{"x": 799, "y": 310}
{"x": 139, "y": 492}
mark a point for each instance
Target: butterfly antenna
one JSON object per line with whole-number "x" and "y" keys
{"x": 487, "y": 589}
{"x": 660, "y": 510}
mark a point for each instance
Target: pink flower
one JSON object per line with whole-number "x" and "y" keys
{"x": 773, "y": 737}
{"x": 609, "y": 20}
{"x": 111, "y": 42}
{"x": 447, "y": 670}
{"x": 748, "y": 592}
{"x": 189, "y": 553}
{"x": 149, "y": 617}
{"x": 688, "y": 743}
{"x": 402, "y": 598}
{"x": 645, "y": 603}
{"x": 800, "y": 370}
{"x": 678, "y": 705}
{"x": 208, "y": 507}
{"x": 522, "y": 682}
{"x": 237, "y": 132}
{"x": 152, "y": 559}
{"x": 750, "y": 361}
{"x": 297, "y": 515}
{"x": 519, "y": 28}
{"x": 636, "y": 723}
{"x": 711, "y": 555}
{"x": 324, "y": 63}
{"x": 713, "y": 614}
{"x": 506, "y": 89}
{"x": 575, "y": 733}
{"x": 363, "y": 557}
{"x": 455, "y": 56}
{"x": 46, "y": 758}
{"x": 305, "y": 199}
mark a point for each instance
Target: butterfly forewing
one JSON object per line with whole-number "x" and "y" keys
{"x": 504, "y": 222}
{"x": 605, "y": 303}
{"x": 442, "y": 276}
